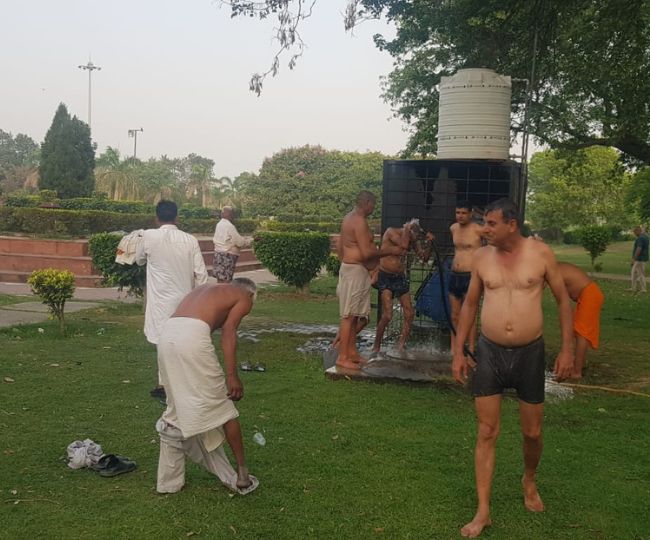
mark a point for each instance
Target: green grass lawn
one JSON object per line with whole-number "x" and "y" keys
{"x": 616, "y": 260}
{"x": 342, "y": 460}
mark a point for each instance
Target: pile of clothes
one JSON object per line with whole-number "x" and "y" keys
{"x": 88, "y": 453}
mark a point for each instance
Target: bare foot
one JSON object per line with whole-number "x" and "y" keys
{"x": 475, "y": 527}
{"x": 347, "y": 363}
{"x": 532, "y": 500}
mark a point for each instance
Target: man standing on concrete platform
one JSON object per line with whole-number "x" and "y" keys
{"x": 227, "y": 243}
{"x": 639, "y": 260}
{"x": 174, "y": 267}
{"x": 510, "y": 273}
{"x": 358, "y": 255}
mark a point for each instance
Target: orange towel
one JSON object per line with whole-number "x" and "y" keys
{"x": 586, "y": 319}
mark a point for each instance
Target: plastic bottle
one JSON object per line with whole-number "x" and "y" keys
{"x": 259, "y": 438}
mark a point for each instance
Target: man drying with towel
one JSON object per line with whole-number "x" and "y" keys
{"x": 586, "y": 319}
{"x": 200, "y": 412}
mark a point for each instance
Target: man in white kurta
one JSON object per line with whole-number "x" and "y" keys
{"x": 227, "y": 243}
{"x": 200, "y": 412}
{"x": 174, "y": 267}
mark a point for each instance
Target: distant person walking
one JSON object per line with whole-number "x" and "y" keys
{"x": 639, "y": 260}
{"x": 227, "y": 243}
{"x": 174, "y": 267}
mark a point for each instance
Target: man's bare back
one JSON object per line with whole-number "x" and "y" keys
{"x": 575, "y": 279}
{"x": 216, "y": 304}
{"x": 356, "y": 244}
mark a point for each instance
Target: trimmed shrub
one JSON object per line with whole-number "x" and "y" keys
{"x": 595, "y": 239}
{"x": 54, "y": 287}
{"x": 103, "y": 248}
{"x": 333, "y": 265}
{"x": 196, "y": 212}
{"x": 303, "y": 226}
{"x": 295, "y": 258}
{"x": 22, "y": 201}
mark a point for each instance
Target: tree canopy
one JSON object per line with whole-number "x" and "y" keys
{"x": 67, "y": 157}
{"x": 311, "y": 180}
{"x": 590, "y": 83}
{"x": 18, "y": 157}
{"x": 582, "y": 188}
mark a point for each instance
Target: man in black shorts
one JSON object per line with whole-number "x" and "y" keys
{"x": 510, "y": 273}
{"x": 392, "y": 281}
{"x": 466, "y": 235}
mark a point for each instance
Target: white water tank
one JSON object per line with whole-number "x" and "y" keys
{"x": 474, "y": 115}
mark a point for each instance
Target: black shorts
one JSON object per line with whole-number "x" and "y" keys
{"x": 459, "y": 283}
{"x": 521, "y": 368}
{"x": 397, "y": 284}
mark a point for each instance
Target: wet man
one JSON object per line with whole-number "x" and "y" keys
{"x": 392, "y": 281}
{"x": 589, "y": 301}
{"x": 200, "y": 412}
{"x": 466, "y": 235}
{"x": 358, "y": 255}
{"x": 510, "y": 273}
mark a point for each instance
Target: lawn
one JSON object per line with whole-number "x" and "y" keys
{"x": 342, "y": 460}
{"x": 616, "y": 260}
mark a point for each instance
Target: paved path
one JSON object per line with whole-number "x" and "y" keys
{"x": 31, "y": 312}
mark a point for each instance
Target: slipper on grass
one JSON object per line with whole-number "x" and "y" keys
{"x": 246, "y": 366}
{"x": 248, "y": 489}
{"x": 259, "y": 367}
{"x": 112, "y": 465}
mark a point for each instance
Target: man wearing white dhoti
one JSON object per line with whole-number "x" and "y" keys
{"x": 200, "y": 412}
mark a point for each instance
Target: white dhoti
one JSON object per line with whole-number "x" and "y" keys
{"x": 197, "y": 405}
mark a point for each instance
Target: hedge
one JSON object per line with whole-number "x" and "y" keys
{"x": 295, "y": 258}
{"x": 103, "y": 248}
{"x": 303, "y": 226}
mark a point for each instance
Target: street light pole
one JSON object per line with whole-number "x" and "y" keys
{"x": 89, "y": 67}
{"x": 134, "y": 133}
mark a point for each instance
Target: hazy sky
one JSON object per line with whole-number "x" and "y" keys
{"x": 180, "y": 70}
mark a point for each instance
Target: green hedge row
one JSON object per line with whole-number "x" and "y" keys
{"x": 303, "y": 226}
{"x": 56, "y": 222}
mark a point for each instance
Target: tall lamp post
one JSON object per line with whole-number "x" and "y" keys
{"x": 89, "y": 67}
{"x": 134, "y": 133}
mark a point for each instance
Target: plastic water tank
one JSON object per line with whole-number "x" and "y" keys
{"x": 474, "y": 115}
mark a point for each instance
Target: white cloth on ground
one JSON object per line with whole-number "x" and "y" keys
{"x": 226, "y": 238}
{"x": 197, "y": 396}
{"x": 84, "y": 453}
{"x": 171, "y": 464}
{"x": 174, "y": 267}
{"x": 128, "y": 247}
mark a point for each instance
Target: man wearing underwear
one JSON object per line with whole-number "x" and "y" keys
{"x": 200, "y": 413}
{"x": 466, "y": 235}
{"x": 510, "y": 273}
{"x": 586, "y": 318}
{"x": 392, "y": 281}
{"x": 359, "y": 256}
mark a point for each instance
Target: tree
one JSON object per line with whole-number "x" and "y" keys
{"x": 595, "y": 240}
{"x": 585, "y": 187}
{"x": 67, "y": 157}
{"x": 589, "y": 85}
{"x": 310, "y": 180}
{"x": 116, "y": 177}
{"x": 18, "y": 159}
{"x": 639, "y": 193}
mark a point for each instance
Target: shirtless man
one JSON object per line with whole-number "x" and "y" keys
{"x": 510, "y": 272}
{"x": 358, "y": 255}
{"x": 586, "y": 319}
{"x": 466, "y": 235}
{"x": 392, "y": 281}
{"x": 200, "y": 411}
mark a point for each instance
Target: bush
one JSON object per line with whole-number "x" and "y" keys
{"x": 333, "y": 265}
{"x": 595, "y": 239}
{"x": 571, "y": 237}
{"x": 295, "y": 258}
{"x": 103, "y": 248}
{"x": 105, "y": 205}
{"x": 54, "y": 287}
{"x": 22, "y": 201}
{"x": 303, "y": 226}
{"x": 196, "y": 212}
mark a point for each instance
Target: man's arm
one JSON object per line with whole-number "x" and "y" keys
{"x": 565, "y": 358}
{"x": 364, "y": 239}
{"x": 465, "y": 321}
{"x": 237, "y": 239}
{"x": 229, "y": 347}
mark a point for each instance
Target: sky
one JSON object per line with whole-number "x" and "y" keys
{"x": 180, "y": 71}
